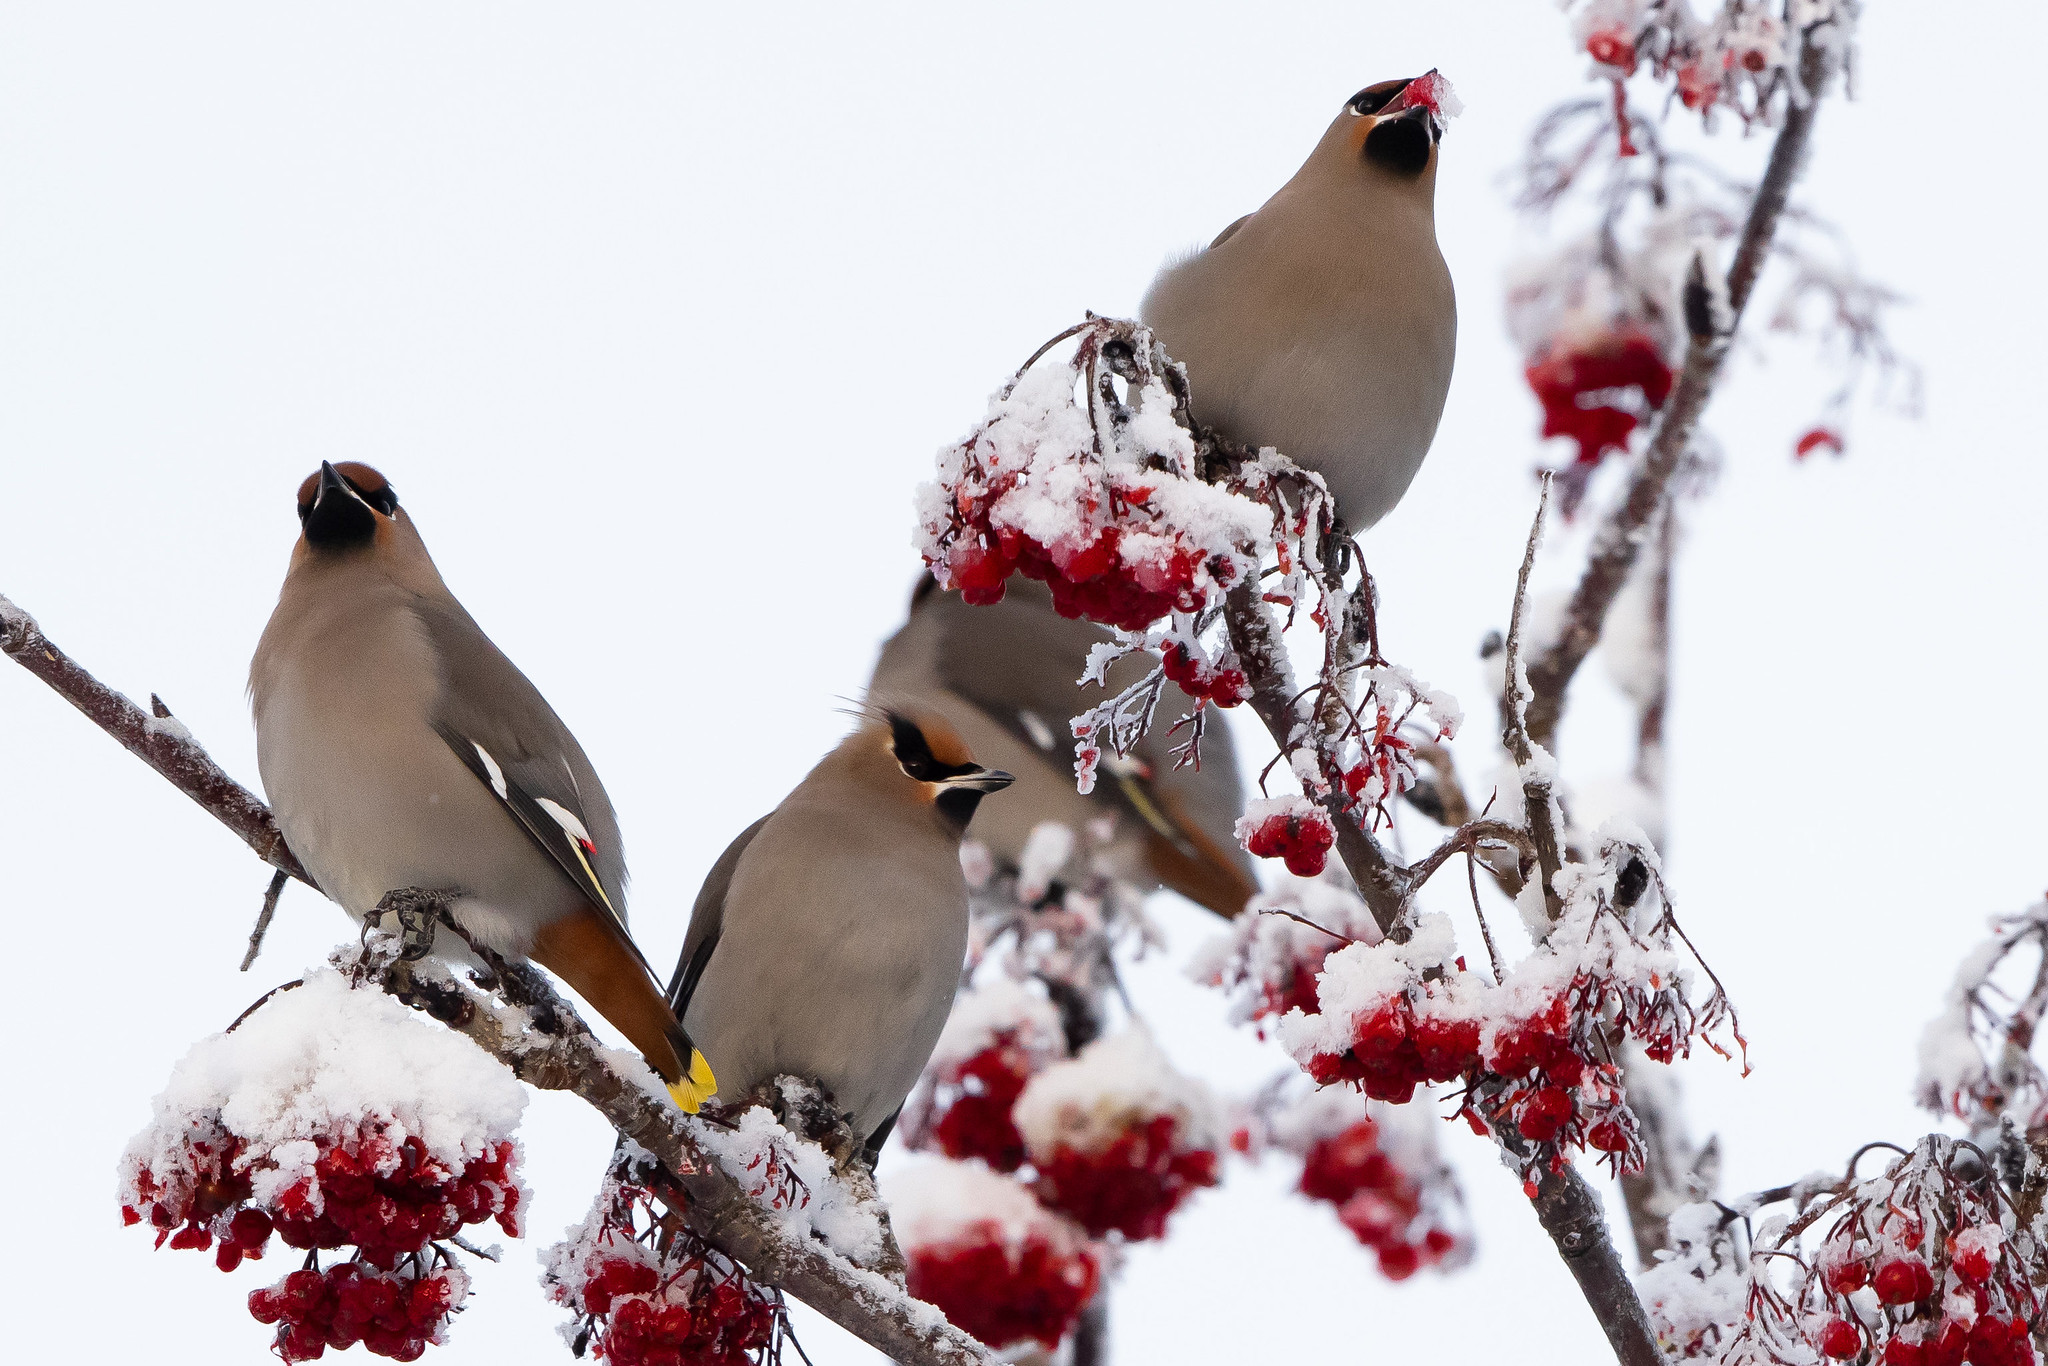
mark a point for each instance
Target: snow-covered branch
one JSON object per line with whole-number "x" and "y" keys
{"x": 515, "y": 1015}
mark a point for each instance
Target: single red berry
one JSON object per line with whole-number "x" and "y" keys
{"x": 1841, "y": 1339}
{"x": 1904, "y": 1280}
{"x": 1398, "y": 1262}
{"x": 1847, "y": 1276}
{"x": 1899, "y": 1352}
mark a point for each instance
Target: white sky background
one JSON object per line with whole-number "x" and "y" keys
{"x": 654, "y": 316}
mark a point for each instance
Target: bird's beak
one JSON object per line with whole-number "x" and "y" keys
{"x": 338, "y": 516}
{"x": 980, "y": 780}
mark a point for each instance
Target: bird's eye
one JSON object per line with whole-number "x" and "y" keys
{"x": 1374, "y": 98}
{"x": 385, "y": 500}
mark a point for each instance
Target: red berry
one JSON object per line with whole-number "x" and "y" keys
{"x": 1905, "y": 1280}
{"x": 1899, "y": 1352}
{"x": 1611, "y": 47}
{"x": 1846, "y": 1276}
{"x": 1841, "y": 1339}
{"x": 1399, "y": 1262}
{"x": 1974, "y": 1263}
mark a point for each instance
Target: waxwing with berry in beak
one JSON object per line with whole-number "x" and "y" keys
{"x": 1324, "y": 324}
{"x": 1004, "y": 676}
{"x": 401, "y": 750}
{"x": 829, "y": 937}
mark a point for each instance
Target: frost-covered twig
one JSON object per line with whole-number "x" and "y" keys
{"x": 1532, "y": 763}
{"x": 525, "y": 1024}
{"x": 162, "y": 743}
{"x": 1620, "y": 538}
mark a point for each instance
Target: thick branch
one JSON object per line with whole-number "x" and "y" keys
{"x": 1381, "y": 882}
{"x": 1621, "y": 536}
{"x": 161, "y": 742}
{"x": 552, "y": 1049}
{"x": 1570, "y": 1213}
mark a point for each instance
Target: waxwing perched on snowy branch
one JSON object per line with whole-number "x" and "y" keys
{"x": 401, "y": 750}
{"x": 1004, "y": 676}
{"x": 829, "y": 937}
{"x": 1324, "y": 324}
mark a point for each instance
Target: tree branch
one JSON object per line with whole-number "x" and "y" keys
{"x": 545, "y": 1043}
{"x": 1533, "y": 764}
{"x": 161, "y": 742}
{"x": 1570, "y": 1213}
{"x": 1383, "y": 883}
{"x": 1620, "y": 537}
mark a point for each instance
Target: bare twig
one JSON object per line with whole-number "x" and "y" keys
{"x": 544, "y": 1042}
{"x": 263, "y": 916}
{"x": 1619, "y": 539}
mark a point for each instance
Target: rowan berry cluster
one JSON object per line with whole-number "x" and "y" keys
{"x": 1100, "y": 500}
{"x": 1377, "y": 1200}
{"x": 1927, "y": 1265}
{"x": 646, "y": 1293}
{"x": 393, "y": 1315}
{"x": 1292, "y": 829}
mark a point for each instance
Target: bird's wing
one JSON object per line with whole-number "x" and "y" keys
{"x": 707, "y": 919}
{"x": 505, "y": 733}
{"x": 1018, "y": 660}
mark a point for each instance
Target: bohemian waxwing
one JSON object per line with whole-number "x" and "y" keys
{"x": 1324, "y": 324}
{"x": 400, "y": 749}
{"x": 829, "y": 937}
{"x": 1004, "y": 676}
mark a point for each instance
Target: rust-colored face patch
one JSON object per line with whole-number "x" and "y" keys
{"x": 945, "y": 743}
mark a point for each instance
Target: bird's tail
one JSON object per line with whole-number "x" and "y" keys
{"x": 585, "y": 950}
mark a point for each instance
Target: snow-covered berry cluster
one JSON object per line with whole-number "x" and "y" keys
{"x": 1534, "y": 1048}
{"x": 1736, "y": 58}
{"x": 1117, "y": 1139}
{"x": 646, "y": 1292}
{"x": 1926, "y": 1265}
{"x": 1596, "y": 389}
{"x": 1100, "y": 499}
{"x": 1292, "y": 829}
{"x": 337, "y": 1120}
{"x": 998, "y": 1037}
{"x": 391, "y": 1314}
{"x": 1268, "y": 958}
{"x": 1001, "y": 1265}
{"x": 1378, "y": 1167}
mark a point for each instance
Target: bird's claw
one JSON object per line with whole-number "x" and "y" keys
{"x": 418, "y": 912}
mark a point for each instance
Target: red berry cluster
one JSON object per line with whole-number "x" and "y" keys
{"x": 1006, "y": 1294}
{"x": 1376, "y": 1200}
{"x": 648, "y": 1299}
{"x": 976, "y": 1120}
{"x": 1129, "y": 1185}
{"x": 1539, "y": 1070}
{"x": 1223, "y": 682}
{"x": 1576, "y": 382}
{"x": 1105, "y": 510}
{"x": 1926, "y": 1267}
{"x": 1092, "y": 579}
{"x": 184, "y": 1210}
{"x": 350, "y": 1303}
{"x": 1294, "y": 830}
{"x": 392, "y": 1199}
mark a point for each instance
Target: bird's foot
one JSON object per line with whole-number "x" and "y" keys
{"x": 418, "y": 912}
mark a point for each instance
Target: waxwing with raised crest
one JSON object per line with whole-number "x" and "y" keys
{"x": 829, "y": 937}
{"x": 1324, "y": 324}
{"x": 402, "y": 750}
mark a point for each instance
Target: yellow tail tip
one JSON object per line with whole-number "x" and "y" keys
{"x": 692, "y": 1091}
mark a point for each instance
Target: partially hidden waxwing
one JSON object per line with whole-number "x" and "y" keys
{"x": 829, "y": 937}
{"x": 401, "y": 749}
{"x": 1005, "y": 677}
{"x": 1324, "y": 324}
